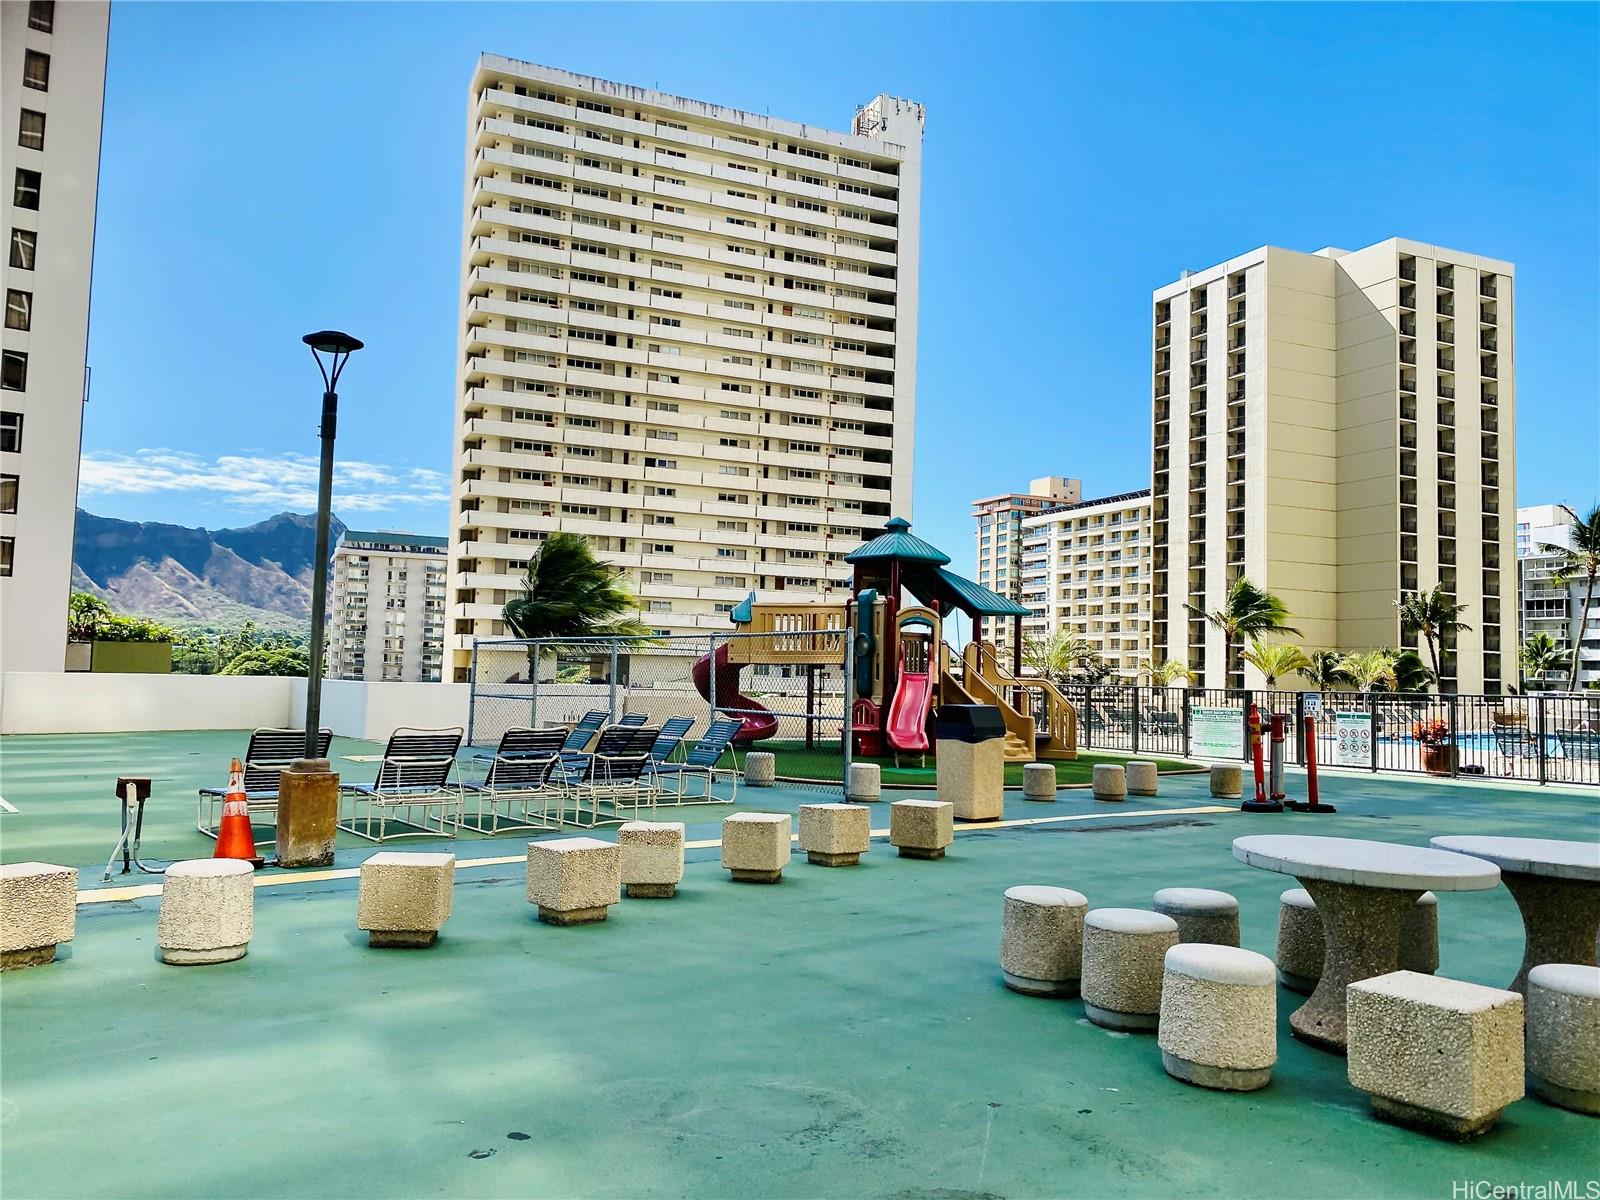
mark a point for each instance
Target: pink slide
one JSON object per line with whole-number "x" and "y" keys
{"x": 907, "y": 725}
{"x": 758, "y": 722}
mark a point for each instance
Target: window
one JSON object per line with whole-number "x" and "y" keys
{"x": 8, "y": 493}
{"x": 14, "y": 374}
{"x": 24, "y": 244}
{"x": 7, "y": 549}
{"x": 36, "y": 70}
{"x": 11, "y": 432}
{"x": 19, "y": 309}
{"x": 42, "y": 15}
{"x": 30, "y": 130}
{"x": 25, "y": 194}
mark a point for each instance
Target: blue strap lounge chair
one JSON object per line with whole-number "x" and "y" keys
{"x": 417, "y": 771}
{"x": 268, "y": 752}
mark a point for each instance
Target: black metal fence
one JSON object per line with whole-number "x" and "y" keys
{"x": 1546, "y": 738}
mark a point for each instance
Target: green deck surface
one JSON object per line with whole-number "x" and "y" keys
{"x": 842, "y": 1034}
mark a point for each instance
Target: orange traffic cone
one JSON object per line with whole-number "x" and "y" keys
{"x": 236, "y": 839}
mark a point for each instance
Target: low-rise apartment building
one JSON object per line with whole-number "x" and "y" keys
{"x": 386, "y": 614}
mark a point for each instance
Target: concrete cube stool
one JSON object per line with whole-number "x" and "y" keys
{"x": 835, "y": 835}
{"x": 1041, "y": 947}
{"x": 1110, "y": 782}
{"x": 760, "y": 768}
{"x": 865, "y": 784}
{"x": 404, "y": 898}
{"x": 1225, "y": 781}
{"x": 1038, "y": 781}
{"x": 1219, "y": 1015}
{"x": 1564, "y": 1035}
{"x": 921, "y": 828}
{"x": 207, "y": 911}
{"x": 652, "y": 859}
{"x": 755, "y": 846}
{"x": 1437, "y": 1054}
{"x": 38, "y": 911}
{"x": 1123, "y": 952}
{"x": 1142, "y": 777}
{"x": 574, "y": 881}
{"x": 1419, "y": 936}
{"x": 1202, "y": 915}
{"x": 1301, "y": 942}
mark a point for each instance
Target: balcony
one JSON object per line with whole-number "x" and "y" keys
{"x": 1446, "y": 362}
{"x": 1408, "y": 269}
{"x": 1488, "y": 341}
{"x": 1408, "y": 324}
{"x": 1447, "y": 441}
{"x": 1408, "y": 353}
{"x": 1238, "y": 313}
{"x": 1236, "y": 394}
{"x": 1446, "y": 391}
{"x": 1198, "y": 353}
{"x": 1487, "y": 286}
{"x": 1446, "y": 335}
{"x": 1408, "y": 297}
{"x": 1408, "y": 407}
{"x": 1446, "y": 277}
{"x": 1237, "y": 343}
{"x": 1446, "y": 307}
{"x": 1163, "y": 341}
{"x": 1490, "y": 369}
{"x": 1236, "y": 290}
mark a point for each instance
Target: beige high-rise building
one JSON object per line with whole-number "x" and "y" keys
{"x": 52, "y": 80}
{"x": 688, "y": 333}
{"x": 1086, "y": 570}
{"x": 1338, "y": 427}
{"x": 386, "y": 616}
{"x": 998, "y": 538}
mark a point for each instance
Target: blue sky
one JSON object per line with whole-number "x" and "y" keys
{"x": 272, "y": 169}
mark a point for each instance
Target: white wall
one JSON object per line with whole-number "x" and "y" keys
{"x": 361, "y": 709}
{"x": 65, "y": 702}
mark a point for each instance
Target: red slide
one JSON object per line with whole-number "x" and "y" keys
{"x": 758, "y": 722}
{"x": 907, "y": 725}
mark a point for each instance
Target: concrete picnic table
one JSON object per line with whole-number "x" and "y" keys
{"x": 1556, "y": 885}
{"x": 1363, "y": 890}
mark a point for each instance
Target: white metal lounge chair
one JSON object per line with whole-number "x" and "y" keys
{"x": 418, "y": 771}
{"x": 269, "y": 751}
{"x": 518, "y": 777}
{"x": 702, "y": 761}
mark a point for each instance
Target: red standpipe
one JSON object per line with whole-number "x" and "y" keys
{"x": 1260, "y": 803}
{"x": 1311, "y": 803}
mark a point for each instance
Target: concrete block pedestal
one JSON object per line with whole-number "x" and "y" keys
{"x": 1227, "y": 780}
{"x": 835, "y": 835}
{"x": 652, "y": 859}
{"x": 755, "y": 846}
{"x": 308, "y": 813}
{"x": 921, "y": 828}
{"x": 574, "y": 881}
{"x": 404, "y": 898}
{"x": 38, "y": 911}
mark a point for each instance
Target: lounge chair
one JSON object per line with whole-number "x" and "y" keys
{"x": 618, "y": 771}
{"x": 269, "y": 751}
{"x": 633, "y": 720}
{"x": 583, "y": 732}
{"x": 702, "y": 759}
{"x": 418, "y": 770}
{"x": 518, "y": 773}
{"x": 1579, "y": 745}
{"x": 1515, "y": 743}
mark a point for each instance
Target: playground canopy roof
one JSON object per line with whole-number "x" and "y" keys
{"x": 896, "y": 541}
{"x": 974, "y": 598}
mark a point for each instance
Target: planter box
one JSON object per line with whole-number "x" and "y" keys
{"x": 131, "y": 658}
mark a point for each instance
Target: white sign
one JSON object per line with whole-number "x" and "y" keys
{"x": 1216, "y": 733}
{"x": 1352, "y": 739}
{"x": 1312, "y": 702}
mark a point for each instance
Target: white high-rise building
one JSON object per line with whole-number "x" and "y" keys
{"x": 1338, "y": 427}
{"x": 386, "y": 614}
{"x": 688, "y": 333}
{"x": 52, "y": 80}
{"x": 1546, "y": 605}
{"x": 998, "y": 539}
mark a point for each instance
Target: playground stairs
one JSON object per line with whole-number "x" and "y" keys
{"x": 1028, "y": 737}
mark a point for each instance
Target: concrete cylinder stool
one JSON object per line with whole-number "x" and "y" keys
{"x": 1038, "y": 781}
{"x": 1301, "y": 942}
{"x": 207, "y": 911}
{"x": 865, "y": 785}
{"x": 1110, "y": 782}
{"x": 760, "y": 768}
{"x": 1141, "y": 778}
{"x": 1564, "y": 1035}
{"x": 1419, "y": 936}
{"x": 1219, "y": 1013}
{"x": 1225, "y": 781}
{"x": 38, "y": 911}
{"x": 1123, "y": 951}
{"x": 1041, "y": 949}
{"x": 1202, "y": 915}
{"x": 835, "y": 835}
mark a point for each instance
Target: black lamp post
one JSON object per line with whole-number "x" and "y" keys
{"x": 337, "y": 347}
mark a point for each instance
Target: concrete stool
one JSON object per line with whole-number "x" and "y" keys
{"x": 404, "y": 899}
{"x": 1436, "y": 1054}
{"x": 1301, "y": 942}
{"x": 207, "y": 911}
{"x": 921, "y": 828}
{"x": 1419, "y": 936}
{"x": 835, "y": 835}
{"x": 1142, "y": 778}
{"x": 755, "y": 846}
{"x": 1219, "y": 1017}
{"x": 1038, "y": 781}
{"x": 1123, "y": 949}
{"x": 865, "y": 784}
{"x": 1564, "y": 1035}
{"x": 574, "y": 881}
{"x": 652, "y": 859}
{"x": 1110, "y": 782}
{"x": 1041, "y": 948}
{"x": 1202, "y": 915}
{"x": 38, "y": 911}
{"x": 1225, "y": 781}
{"x": 760, "y": 768}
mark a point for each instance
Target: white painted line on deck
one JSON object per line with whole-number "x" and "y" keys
{"x": 145, "y": 891}
{"x": 6, "y": 805}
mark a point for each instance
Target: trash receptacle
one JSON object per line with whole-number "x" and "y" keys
{"x": 971, "y": 759}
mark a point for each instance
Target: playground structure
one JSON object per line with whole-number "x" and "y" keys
{"x": 902, "y": 666}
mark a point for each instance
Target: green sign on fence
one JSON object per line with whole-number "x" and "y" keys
{"x": 1216, "y": 733}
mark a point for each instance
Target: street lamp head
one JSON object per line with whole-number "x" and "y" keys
{"x": 338, "y": 347}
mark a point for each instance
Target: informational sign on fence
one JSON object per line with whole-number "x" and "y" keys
{"x": 1312, "y": 702}
{"x": 1216, "y": 733}
{"x": 1352, "y": 739}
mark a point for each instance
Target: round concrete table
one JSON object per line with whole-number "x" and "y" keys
{"x": 1556, "y": 884}
{"x": 1363, "y": 891}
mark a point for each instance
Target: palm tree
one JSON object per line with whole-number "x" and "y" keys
{"x": 1411, "y": 674}
{"x": 1435, "y": 615}
{"x": 1541, "y": 655}
{"x": 1248, "y": 612}
{"x": 1167, "y": 673}
{"x": 568, "y": 592}
{"x": 1370, "y": 670}
{"x": 1581, "y": 560}
{"x": 1056, "y": 657}
{"x": 1323, "y": 671}
{"x": 1278, "y": 658}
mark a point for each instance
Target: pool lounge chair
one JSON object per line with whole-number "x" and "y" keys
{"x": 616, "y": 773}
{"x": 417, "y": 771}
{"x": 633, "y": 720}
{"x": 702, "y": 760}
{"x": 518, "y": 774}
{"x": 583, "y": 732}
{"x": 268, "y": 752}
